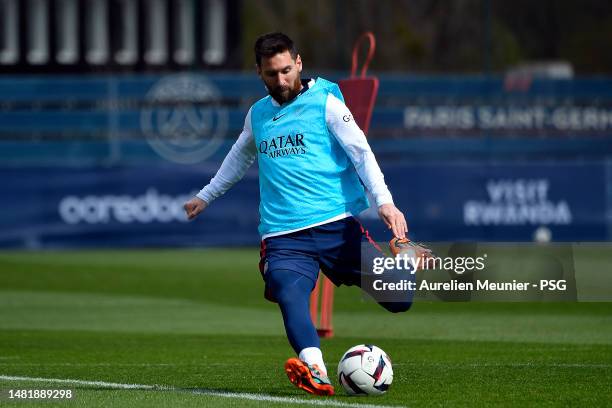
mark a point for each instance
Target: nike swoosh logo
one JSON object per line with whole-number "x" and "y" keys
{"x": 274, "y": 119}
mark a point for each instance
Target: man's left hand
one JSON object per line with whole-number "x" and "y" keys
{"x": 394, "y": 219}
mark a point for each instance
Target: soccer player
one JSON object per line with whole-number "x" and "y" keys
{"x": 312, "y": 156}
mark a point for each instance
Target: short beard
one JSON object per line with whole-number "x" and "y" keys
{"x": 285, "y": 96}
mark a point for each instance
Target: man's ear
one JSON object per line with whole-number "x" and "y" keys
{"x": 298, "y": 62}
{"x": 258, "y": 68}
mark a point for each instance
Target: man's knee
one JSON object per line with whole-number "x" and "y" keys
{"x": 282, "y": 293}
{"x": 287, "y": 286}
{"x": 396, "y": 307}
{"x": 287, "y": 294}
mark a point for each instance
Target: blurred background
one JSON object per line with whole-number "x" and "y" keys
{"x": 493, "y": 120}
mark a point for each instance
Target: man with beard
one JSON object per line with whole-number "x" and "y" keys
{"x": 312, "y": 156}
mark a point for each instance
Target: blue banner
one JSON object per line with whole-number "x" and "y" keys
{"x": 142, "y": 206}
{"x": 500, "y": 202}
{"x": 117, "y": 207}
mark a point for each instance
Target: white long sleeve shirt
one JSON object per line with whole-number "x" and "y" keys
{"x": 348, "y": 134}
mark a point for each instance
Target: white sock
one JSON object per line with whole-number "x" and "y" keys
{"x": 313, "y": 355}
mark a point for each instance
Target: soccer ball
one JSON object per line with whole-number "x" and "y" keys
{"x": 365, "y": 370}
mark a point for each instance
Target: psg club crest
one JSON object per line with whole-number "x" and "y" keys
{"x": 184, "y": 120}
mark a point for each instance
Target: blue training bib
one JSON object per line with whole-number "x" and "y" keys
{"x": 305, "y": 177}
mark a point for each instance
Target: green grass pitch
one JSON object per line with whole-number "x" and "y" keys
{"x": 194, "y": 324}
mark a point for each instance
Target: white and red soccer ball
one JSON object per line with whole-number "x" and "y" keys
{"x": 365, "y": 370}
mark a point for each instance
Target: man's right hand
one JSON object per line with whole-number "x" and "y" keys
{"x": 194, "y": 207}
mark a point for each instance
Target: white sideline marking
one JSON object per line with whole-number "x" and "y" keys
{"x": 237, "y": 395}
{"x": 535, "y": 365}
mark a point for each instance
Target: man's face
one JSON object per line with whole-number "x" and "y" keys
{"x": 281, "y": 74}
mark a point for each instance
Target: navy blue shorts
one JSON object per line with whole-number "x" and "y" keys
{"x": 335, "y": 248}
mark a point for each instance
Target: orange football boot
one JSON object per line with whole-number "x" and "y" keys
{"x": 412, "y": 249}
{"x": 308, "y": 377}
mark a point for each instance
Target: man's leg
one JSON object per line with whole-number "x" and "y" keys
{"x": 290, "y": 270}
{"x": 347, "y": 254}
{"x": 292, "y": 292}
{"x": 395, "y": 301}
